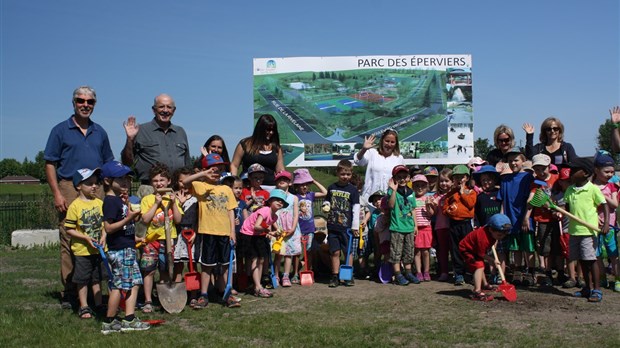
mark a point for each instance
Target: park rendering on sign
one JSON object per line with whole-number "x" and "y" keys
{"x": 325, "y": 106}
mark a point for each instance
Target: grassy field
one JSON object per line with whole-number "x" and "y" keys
{"x": 367, "y": 315}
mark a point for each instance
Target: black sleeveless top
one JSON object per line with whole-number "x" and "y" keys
{"x": 267, "y": 160}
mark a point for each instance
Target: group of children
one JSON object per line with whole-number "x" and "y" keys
{"x": 457, "y": 213}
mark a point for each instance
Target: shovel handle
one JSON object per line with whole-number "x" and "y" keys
{"x": 499, "y": 267}
{"x": 579, "y": 220}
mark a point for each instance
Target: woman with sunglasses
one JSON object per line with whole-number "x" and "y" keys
{"x": 551, "y": 143}
{"x": 504, "y": 140}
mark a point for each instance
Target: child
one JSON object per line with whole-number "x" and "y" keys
{"x": 382, "y": 231}
{"x": 547, "y": 227}
{"x": 583, "y": 199}
{"x": 424, "y": 238}
{"x": 343, "y": 205}
{"x": 288, "y": 222}
{"x": 475, "y": 247}
{"x": 302, "y": 181}
{"x": 558, "y": 191}
{"x": 442, "y": 222}
{"x": 514, "y": 192}
{"x": 403, "y": 228}
{"x": 118, "y": 221}
{"x": 254, "y": 195}
{"x": 459, "y": 207}
{"x": 216, "y": 226}
{"x": 373, "y": 238}
{"x": 255, "y": 234}
{"x": 362, "y": 240}
{"x": 84, "y": 224}
{"x": 487, "y": 205}
{"x": 189, "y": 204}
{"x": 153, "y": 207}
{"x": 608, "y": 247}
{"x": 432, "y": 175}
{"x": 241, "y": 213}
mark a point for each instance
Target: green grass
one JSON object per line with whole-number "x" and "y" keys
{"x": 367, "y": 315}
{"x": 16, "y": 189}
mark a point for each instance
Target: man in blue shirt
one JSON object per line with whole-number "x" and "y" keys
{"x": 75, "y": 143}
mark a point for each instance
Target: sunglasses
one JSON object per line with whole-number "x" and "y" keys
{"x": 503, "y": 140}
{"x": 87, "y": 101}
{"x": 552, "y": 129}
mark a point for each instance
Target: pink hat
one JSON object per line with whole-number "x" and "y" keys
{"x": 302, "y": 176}
{"x": 419, "y": 177}
{"x": 283, "y": 174}
{"x": 553, "y": 169}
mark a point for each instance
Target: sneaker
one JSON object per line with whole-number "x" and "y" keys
{"x": 334, "y": 282}
{"x": 295, "y": 279}
{"x": 413, "y": 279}
{"x": 617, "y": 286}
{"x": 349, "y": 282}
{"x": 570, "y": 283}
{"x": 114, "y": 326}
{"x": 231, "y": 303}
{"x": 201, "y": 303}
{"x": 581, "y": 283}
{"x": 459, "y": 280}
{"x": 286, "y": 282}
{"x": 426, "y": 276}
{"x": 444, "y": 277}
{"x": 134, "y": 325}
{"x": 401, "y": 280}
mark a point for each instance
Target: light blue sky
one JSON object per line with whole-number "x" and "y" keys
{"x": 531, "y": 59}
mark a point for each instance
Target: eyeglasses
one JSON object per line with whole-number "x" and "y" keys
{"x": 552, "y": 129}
{"x": 503, "y": 140}
{"x": 87, "y": 101}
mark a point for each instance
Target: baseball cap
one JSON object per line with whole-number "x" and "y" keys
{"x": 283, "y": 174}
{"x": 399, "y": 168}
{"x": 115, "y": 169}
{"x": 378, "y": 193}
{"x": 211, "y": 160}
{"x": 83, "y": 174}
{"x": 460, "y": 169}
{"x": 278, "y": 194}
{"x": 553, "y": 169}
{"x": 302, "y": 176}
{"x": 603, "y": 160}
{"x": 564, "y": 173}
{"x": 500, "y": 222}
{"x": 514, "y": 150}
{"x": 419, "y": 177}
{"x": 225, "y": 175}
{"x": 256, "y": 168}
{"x": 431, "y": 171}
{"x": 581, "y": 163}
{"x": 541, "y": 160}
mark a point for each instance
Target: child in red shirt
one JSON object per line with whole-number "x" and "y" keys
{"x": 474, "y": 250}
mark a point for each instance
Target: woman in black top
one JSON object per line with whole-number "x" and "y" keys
{"x": 263, "y": 147}
{"x": 551, "y": 143}
{"x": 504, "y": 140}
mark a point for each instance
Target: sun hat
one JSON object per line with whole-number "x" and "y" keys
{"x": 553, "y": 169}
{"x": 278, "y": 194}
{"x": 431, "y": 171}
{"x": 527, "y": 165}
{"x": 460, "y": 169}
{"x": 485, "y": 169}
{"x": 378, "y": 193}
{"x": 302, "y": 176}
{"x": 83, "y": 174}
{"x": 399, "y": 168}
{"x": 283, "y": 174}
{"x": 419, "y": 177}
{"x": 256, "y": 168}
{"x": 115, "y": 169}
{"x": 476, "y": 161}
{"x": 500, "y": 222}
{"x": 541, "y": 160}
{"x": 211, "y": 160}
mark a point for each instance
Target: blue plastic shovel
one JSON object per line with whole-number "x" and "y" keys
{"x": 346, "y": 270}
{"x": 228, "y": 289}
{"x": 274, "y": 277}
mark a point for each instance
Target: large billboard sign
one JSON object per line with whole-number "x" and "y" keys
{"x": 326, "y": 106}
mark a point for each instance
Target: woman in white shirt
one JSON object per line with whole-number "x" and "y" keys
{"x": 379, "y": 162}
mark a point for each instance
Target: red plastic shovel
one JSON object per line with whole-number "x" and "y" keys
{"x": 508, "y": 290}
{"x": 307, "y": 276}
{"x": 192, "y": 279}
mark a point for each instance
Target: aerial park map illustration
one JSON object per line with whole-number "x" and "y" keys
{"x": 325, "y": 106}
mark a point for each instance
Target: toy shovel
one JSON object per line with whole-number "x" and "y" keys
{"x": 346, "y": 270}
{"x": 307, "y": 276}
{"x": 541, "y": 199}
{"x": 508, "y": 290}
{"x": 192, "y": 278}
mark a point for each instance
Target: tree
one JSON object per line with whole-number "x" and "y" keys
{"x": 10, "y": 166}
{"x": 482, "y": 147}
{"x": 604, "y": 136}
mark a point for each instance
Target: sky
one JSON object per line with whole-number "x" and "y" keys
{"x": 531, "y": 59}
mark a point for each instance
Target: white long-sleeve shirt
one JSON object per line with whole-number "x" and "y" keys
{"x": 378, "y": 171}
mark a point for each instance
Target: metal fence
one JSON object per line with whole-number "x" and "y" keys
{"x": 25, "y": 214}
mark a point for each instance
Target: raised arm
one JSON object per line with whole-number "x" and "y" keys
{"x": 615, "y": 134}
{"x": 131, "y": 131}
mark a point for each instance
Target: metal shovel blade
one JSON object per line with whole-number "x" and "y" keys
{"x": 508, "y": 291}
{"x": 172, "y": 296}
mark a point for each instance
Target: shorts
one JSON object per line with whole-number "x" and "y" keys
{"x": 424, "y": 238}
{"x": 521, "y": 241}
{"x": 355, "y": 248}
{"x": 254, "y": 247}
{"x": 212, "y": 250}
{"x": 154, "y": 256}
{"x": 384, "y": 248}
{"x": 607, "y": 244}
{"x": 471, "y": 262}
{"x": 548, "y": 238}
{"x": 87, "y": 269}
{"x": 125, "y": 271}
{"x": 338, "y": 240}
{"x": 583, "y": 248}
{"x": 180, "y": 251}
{"x": 401, "y": 247}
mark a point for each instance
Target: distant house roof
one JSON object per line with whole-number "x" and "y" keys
{"x": 19, "y": 179}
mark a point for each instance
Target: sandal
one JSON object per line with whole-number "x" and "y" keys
{"x": 489, "y": 287}
{"x": 147, "y": 308}
{"x": 86, "y": 313}
{"x": 595, "y": 296}
{"x": 585, "y": 292}
{"x": 481, "y": 296}
{"x": 263, "y": 293}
